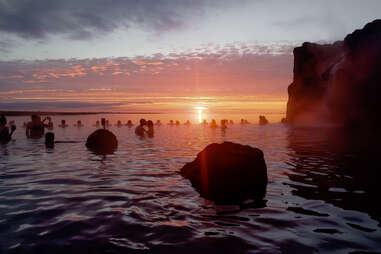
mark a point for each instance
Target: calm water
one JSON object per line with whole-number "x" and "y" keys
{"x": 320, "y": 197}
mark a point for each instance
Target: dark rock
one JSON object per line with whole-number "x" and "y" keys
{"x": 228, "y": 173}
{"x": 338, "y": 83}
{"x": 102, "y": 141}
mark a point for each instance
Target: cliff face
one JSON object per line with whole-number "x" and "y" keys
{"x": 338, "y": 83}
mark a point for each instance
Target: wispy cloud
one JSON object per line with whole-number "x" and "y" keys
{"x": 234, "y": 68}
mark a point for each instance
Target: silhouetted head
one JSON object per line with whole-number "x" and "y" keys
{"x": 63, "y": 122}
{"x": 143, "y": 122}
{"x": 149, "y": 123}
{"x": 49, "y": 139}
{"x": 3, "y": 120}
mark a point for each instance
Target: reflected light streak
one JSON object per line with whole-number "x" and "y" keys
{"x": 199, "y": 113}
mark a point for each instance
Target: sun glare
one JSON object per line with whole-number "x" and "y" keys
{"x": 200, "y": 113}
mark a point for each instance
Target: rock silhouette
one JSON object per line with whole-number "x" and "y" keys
{"x": 228, "y": 173}
{"x": 102, "y": 141}
{"x": 338, "y": 83}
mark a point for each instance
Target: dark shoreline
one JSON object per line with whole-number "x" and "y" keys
{"x": 28, "y": 113}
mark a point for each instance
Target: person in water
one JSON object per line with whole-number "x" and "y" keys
{"x": 223, "y": 124}
{"x": 63, "y": 124}
{"x": 119, "y": 124}
{"x": 79, "y": 124}
{"x": 150, "y": 131}
{"x": 213, "y": 124}
{"x": 35, "y": 128}
{"x": 139, "y": 130}
{"x": 5, "y": 135}
{"x": 158, "y": 123}
{"x": 129, "y": 124}
{"x": 49, "y": 125}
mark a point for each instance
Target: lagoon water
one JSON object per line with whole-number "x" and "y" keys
{"x": 69, "y": 200}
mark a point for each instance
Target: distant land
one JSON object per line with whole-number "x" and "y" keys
{"x": 28, "y": 113}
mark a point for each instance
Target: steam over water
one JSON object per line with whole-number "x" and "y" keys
{"x": 320, "y": 198}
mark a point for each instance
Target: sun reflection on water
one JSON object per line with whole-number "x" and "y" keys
{"x": 200, "y": 111}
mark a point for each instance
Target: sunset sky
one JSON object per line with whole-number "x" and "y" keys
{"x": 161, "y": 55}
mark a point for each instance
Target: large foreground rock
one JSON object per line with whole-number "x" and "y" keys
{"x": 338, "y": 84}
{"x": 228, "y": 173}
{"x": 102, "y": 141}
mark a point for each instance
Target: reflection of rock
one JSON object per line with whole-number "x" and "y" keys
{"x": 336, "y": 166}
{"x": 102, "y": 141}
{"x": 338, "y": 83}
{"x": 228, "y": 173}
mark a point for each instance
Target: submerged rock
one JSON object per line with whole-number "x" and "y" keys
{"x": 102, "y": 141}
{"x": 228, "y": 173}
{"x": 338, "y": 83}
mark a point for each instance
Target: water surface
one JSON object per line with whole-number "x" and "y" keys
{"x": 320, "y": 198}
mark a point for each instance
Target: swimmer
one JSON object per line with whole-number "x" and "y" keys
{"x": 150, "y": 131}
{"x": 223, "y": 124}
{"x": 129, "y": 124}
{"x": 139, "y": 130}
{"x": 49, "y": 125}
{"x": 213, "y": 124}
{"x": 5, "y": 135}
{"x": 119, "y": 124}
{"x": 63, "y": 124}
{"x": 79, "y": 124}
{"x": 35, "y": 128}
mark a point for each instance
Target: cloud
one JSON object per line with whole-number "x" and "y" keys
{"x": 78, "y": 20}
{"x": 235, "y": 68}
{"x": 55, "y": 105}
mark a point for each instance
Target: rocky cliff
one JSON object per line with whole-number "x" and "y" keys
{"x": 338, "y": 84}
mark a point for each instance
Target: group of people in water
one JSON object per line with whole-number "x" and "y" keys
{"x": 141, "y": 131}
{"x": 36, "y": 127}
